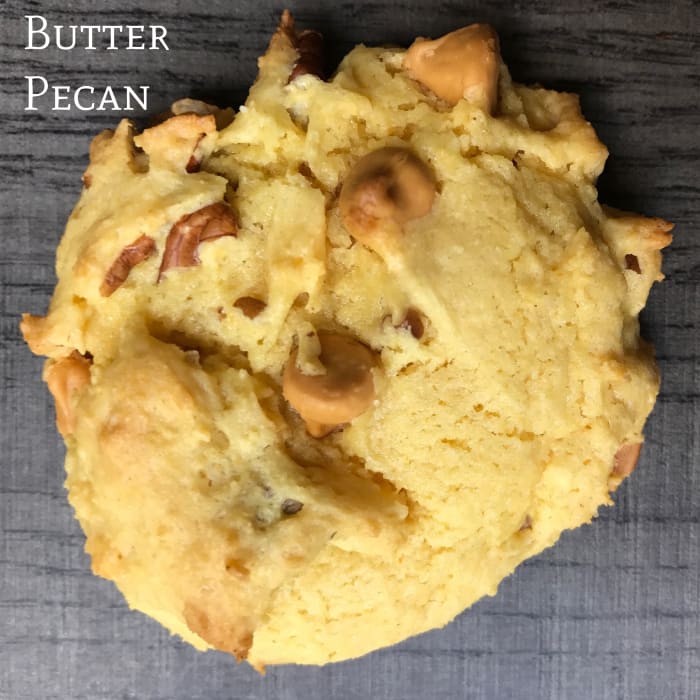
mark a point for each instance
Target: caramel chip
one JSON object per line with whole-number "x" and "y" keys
{"x": 463, "y": 64}
{"x": 385, "y": 189}
{"x": 342, "y": 393}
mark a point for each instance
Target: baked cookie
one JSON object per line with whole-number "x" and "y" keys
{"x": 327, "y": 371}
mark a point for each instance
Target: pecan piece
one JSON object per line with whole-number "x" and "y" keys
{"x": 136, "y": 252}
{"x": 194, "y": 162}
{"x": 250, "y": 306}
{"x": 632, "y": 263}
{"x": 414, "y": 323}
{"x": 309, "y": 48}
{"x": 290, "y": 506}
{"x": 213, "y": 221}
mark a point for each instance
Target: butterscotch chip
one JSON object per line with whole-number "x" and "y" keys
{"x": 393, "y": 352}
{"x": 383, "y": 191}
{"x": 341, "y": 391}
{"x": 461, "y": 65}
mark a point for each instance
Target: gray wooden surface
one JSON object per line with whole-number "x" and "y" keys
{"x": 613, "y": 611}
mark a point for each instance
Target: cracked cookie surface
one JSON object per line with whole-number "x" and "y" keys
{"x": 490, "y": 304}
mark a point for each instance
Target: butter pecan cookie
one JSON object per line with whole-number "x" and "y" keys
{"x": 329, "y": 369}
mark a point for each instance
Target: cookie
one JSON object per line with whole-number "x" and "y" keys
{"x": 329, "y": 369}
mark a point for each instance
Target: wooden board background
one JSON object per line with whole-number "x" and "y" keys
{"x": 613, "y": 611}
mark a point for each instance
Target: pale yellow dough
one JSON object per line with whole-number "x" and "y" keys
{"x": 488, "y": 436}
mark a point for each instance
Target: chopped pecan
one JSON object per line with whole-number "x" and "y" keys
{"x": 250, "y": 306}
{"x": 194, "y": 162}
{"x": 213, "y": 221}
{"x": 187, "y": 105}
{"x": 309, "y": 45}
{"x": 414, "y": 323}
{"x": 223, "y": 117}
{"x": 309, "y": 48}
{"x": 632, "y": 263}
{"x": 136, "y": 252}
{"x": 290, "y": 506}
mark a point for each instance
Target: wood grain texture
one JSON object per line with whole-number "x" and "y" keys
{"x": 613, "y": 611}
